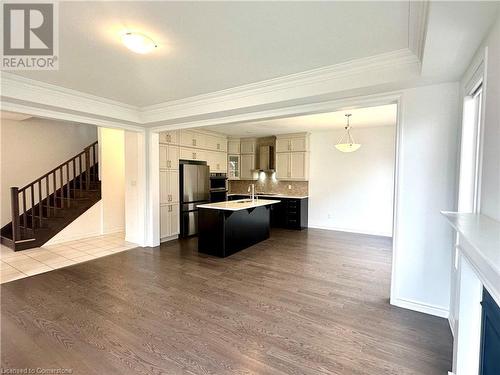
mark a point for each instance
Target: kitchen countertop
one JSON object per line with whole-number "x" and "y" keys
{"x": 240, "y": 204}
{"x": 273, "y": 195}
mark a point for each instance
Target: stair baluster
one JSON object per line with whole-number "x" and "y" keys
{"x": 27, "y": 217}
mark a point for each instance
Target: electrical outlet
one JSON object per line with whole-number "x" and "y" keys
{"x": 329, "y": 216}
{"x": 289, "y": 187}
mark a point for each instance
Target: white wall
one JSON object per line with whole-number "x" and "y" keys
{"x": 426, "y": 184}
{"x": 135, "y": 187}
{"x": 353, "y": 191}
{"x": 32, "y": 147}
{"x": 112, "y": 173}
{"x": 88, "y": 224}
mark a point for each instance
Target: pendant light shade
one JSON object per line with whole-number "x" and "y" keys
{"x": 347, "y": 143}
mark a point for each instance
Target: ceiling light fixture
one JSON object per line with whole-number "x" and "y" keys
{"x": 347, "y": 143}
{"x": 138, "y": 42}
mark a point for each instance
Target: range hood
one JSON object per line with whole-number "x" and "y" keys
{"x": 266, "y": 159}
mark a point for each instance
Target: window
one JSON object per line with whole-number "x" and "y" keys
{"x": 470, "y": 154}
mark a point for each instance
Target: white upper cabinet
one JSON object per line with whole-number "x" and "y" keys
{"x": 189, "y": 153}
{"x": 169, "y": 157}
{"x": 203, "y": 140}
{"x": 248, "y": 146}
{"x": 233, "y": 167}
{"x": 292, "y": 166}
{"x": 292, "y": 142}
{"x": 233, "y": 146}
{"x": 299, "y": 165}
{"x": 247, "y": 170}
{"x": 192, "y": 138}
{"x": 170, "y": 137}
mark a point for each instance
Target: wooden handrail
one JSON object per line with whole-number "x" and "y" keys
{"x": 27, "y": 216}
{"x": 58, "y": 167}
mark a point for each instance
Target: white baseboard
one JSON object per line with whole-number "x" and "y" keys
{"x": 420, "y": 307}
{"x": 337, "y": 229}
{"x": 171, "y": 238}
{"x": 72, "y": 238}
{"x": 114, "y": 230}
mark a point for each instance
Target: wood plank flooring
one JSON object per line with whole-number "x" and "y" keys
{"x": 310, "y": 302}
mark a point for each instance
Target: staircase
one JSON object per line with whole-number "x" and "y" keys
{"x": 47, "y": 205}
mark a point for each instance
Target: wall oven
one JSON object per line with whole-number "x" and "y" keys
{"x": 218, "y": 187}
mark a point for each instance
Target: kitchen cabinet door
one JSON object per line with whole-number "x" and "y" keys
{"x": 221, "y": 144}
{"x": 164, "y": 221}
{"x": 173, "y": 186}
{"x": 222, "y": 162}
{"x": 186, "y": 138}
{"x": 164, "y": 187}
{"x": 174, "y": 219}
{"x": 299, "y": 144}
{"x": 298, "y": 165}
{"x": 172, "y": 157}
{"x": 282, "y": 144}
{"x": 192, "y": 154}
{"x": 233, "y": 146}
{"x": 163, "y": 157}
{"x": 170, "y": 137}
{"x": 282, "y": 165}
{"x": 247, "y": 167}
{"x": 211, "y": 158}
{"x": 233, "y": 167}
{"x": 248, "y": 146}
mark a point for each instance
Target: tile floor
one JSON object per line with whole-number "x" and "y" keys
{"x": 16, "y": 265}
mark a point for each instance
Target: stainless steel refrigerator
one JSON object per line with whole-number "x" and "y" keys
{"x": 194, "y": 190}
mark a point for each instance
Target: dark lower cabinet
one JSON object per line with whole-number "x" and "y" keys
{"x": 290, "y": 213}
{"x": 490, "y": 337}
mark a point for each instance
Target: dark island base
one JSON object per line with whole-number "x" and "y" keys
{"x": 222, "y": 232}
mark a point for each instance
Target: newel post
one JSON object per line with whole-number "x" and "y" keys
{"x": 14, "y": 202}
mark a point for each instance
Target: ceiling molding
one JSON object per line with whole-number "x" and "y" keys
{"x": 64, "y": 116}
{"x": 45, "y": 99}
{"x": 27, "y": 90}
{"x": 370, "y": 71}
{"x": 289, "y": 111}
{"x": 417, "y": 27}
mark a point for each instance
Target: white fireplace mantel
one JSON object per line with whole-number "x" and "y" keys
{"x": 480, "y": 244}
{"x": 476, "y": 266}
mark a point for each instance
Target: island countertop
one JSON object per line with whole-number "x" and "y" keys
{"x": 240, "y": 204}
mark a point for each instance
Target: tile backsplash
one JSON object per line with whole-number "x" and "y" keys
{"x": 269, "y": 185}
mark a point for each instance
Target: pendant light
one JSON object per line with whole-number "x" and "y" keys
{"x": 347, "y": 143}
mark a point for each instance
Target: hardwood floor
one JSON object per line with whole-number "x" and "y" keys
{"x": 310, "y": 302}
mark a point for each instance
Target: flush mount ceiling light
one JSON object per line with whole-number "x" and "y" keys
{"x": 138, "y": 42}
{"x": 347, "y": 143}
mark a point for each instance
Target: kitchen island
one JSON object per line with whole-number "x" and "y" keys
{"x": 225, "y": 228}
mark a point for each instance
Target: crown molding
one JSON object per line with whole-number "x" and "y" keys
{"x": 417, "y": 27}
{"x": 25, "y": 90}
{"x": 43, "y": 99}
{"x": 289, "y": 111}
{"x": 368, "y": 71}
{"x": 65, "y": 116}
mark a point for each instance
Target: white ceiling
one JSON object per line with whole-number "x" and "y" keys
{"x": 385, "y": 115}
{"x": 210, "y": 46}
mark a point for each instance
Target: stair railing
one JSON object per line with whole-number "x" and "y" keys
{"x": 52, "y": 190}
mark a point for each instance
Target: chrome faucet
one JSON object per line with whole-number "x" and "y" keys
{"x": 251, "y": 190}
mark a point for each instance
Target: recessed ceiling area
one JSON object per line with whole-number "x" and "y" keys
{"x": 384, "y": 115}
{"x": 209, "y": 46}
